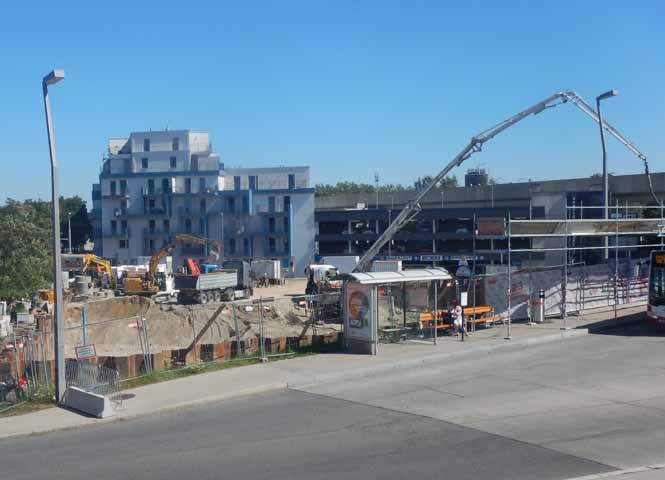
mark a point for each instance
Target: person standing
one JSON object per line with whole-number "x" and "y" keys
{"x": 456, "y": 317}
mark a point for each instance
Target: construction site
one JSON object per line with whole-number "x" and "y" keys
{"x": 155, "y": 314}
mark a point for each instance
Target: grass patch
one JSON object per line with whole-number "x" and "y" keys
{"x": 40, "y": 399}
{"x": 43, "y": 398}
{"x": 166, "y": 375}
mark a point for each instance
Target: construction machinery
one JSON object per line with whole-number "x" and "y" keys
{"x": 203, "y": 285}
{"x": 147, "y": 285}
{"x": 319, "y": 279}
{"x": 101, "y": 264}
{"x": 476, "y": 145}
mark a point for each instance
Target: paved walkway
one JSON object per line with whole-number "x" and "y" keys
{"x": 322, "y": 368}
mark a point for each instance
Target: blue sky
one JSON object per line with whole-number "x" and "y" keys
{"x": 348, "y": 88}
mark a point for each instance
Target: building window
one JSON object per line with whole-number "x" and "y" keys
{"x": 123, "y": 226}
{"x": 195, "y": 163}
{"x": 146, "y": 144}
{"x": 271, "y": 204}
{"x": 167, "y": 226}
{"x": 151, "y": 244}
{"x": 271, "y": 225}
{"x": 236, "y": 183}
{"x": 123, "y": 207}
{"x": 173, "y": 162}
{"x": 232, "y": 246}
{"x": 123, "y": 187}
{"x": 286, "y": 224}
{"x": 292, "y": 181}
{"x": 144, "y": 162}
{"x": 151, "y": 186}
{"x": 231, "y": 205}
{"x": 114, "y": 227}
{"x": 202, "y": 184}
{"x": 245, "y": 204}
{"x": 188, "y": 185}
{"x": 151, "y": 226}
{"x": 166, "y": 185}
{"x": 287, "y": 204}
{"x": 176, "y": 144}
{"x": 245, "y": 246}
{"x": 202, "y": 205}
{"x": 253, "y": 182}
{"x": 286, "y": 247}
{"x": 123, "y": 243}
{"x": 202, "y": 227}
{"x": 113, "y": 187}
{"x": 271, "y": 245}
{"x": 151, "y": 205}
{"x": 188, "y": 225}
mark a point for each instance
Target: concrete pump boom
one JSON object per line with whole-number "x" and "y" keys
{"x": 412, "y": 208}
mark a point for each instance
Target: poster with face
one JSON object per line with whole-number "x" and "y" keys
{"x": 359, "y": 311}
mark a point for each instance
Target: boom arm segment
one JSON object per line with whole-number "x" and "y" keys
{"x": 475, "y": 145}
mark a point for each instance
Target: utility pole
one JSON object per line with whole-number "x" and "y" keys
{"x": 376, "y": 188}
{"x": 58, "y": 319}
{"x": 608, "y": 94}
{"x": 69, "y": 228}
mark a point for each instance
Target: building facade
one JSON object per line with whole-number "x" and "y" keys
{"x": 470, "y": 222}
{"x": 154, "y": 185}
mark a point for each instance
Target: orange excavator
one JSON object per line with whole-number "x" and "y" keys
{"x": 147, "y": 285}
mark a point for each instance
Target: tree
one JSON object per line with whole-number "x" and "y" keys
{"x": 596, "y": 175}
{"x": 25, "y": 260}
{"x": 26, "y": 242}
{"x": 447, "y": 182}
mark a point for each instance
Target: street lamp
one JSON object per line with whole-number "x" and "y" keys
{"x": 69, "y": 230}
{"x": 608, "y": 94}
{"x": 58, "y": 319}
{"x": 441, "y": 198}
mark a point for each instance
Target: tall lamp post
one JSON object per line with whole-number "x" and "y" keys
{"x": 58, "y": 320}
{"x": 69, "y": 231}
{"x": 603, "y": 96}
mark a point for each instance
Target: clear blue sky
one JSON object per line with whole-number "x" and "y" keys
{"x": 345, "y": 87}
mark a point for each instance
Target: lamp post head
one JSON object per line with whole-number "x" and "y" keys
{"x": 608, "y": 94}
{"x": 54, "y": 76}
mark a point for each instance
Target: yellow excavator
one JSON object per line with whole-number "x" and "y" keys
{"x": 75, "y": 261}
{"x": 147, "y": 285}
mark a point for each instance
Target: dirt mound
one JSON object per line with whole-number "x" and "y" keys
{"x": 112, "y": 327}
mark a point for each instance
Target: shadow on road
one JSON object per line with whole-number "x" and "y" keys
{"x": 639, "y": 327}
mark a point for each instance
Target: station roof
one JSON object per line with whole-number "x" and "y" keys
{"x": 414, "y": 275}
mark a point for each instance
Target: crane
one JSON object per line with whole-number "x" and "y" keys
{"x": 412, "y": 208}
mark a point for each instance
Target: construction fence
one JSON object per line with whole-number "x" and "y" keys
{"x": 567, "y": 290}
{"x": 167, "y": 337}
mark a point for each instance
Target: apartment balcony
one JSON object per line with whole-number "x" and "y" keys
{"x": 127, "y": 233}
{"x": 156, "y": 192}
{"x": 116, "y": 195}
{"x": 155, "y": 232}
{"x": 195, "y": 191}
{"x": 190, "y": 212}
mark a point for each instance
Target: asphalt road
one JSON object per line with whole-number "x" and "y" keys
{"x": 556, "y": 411}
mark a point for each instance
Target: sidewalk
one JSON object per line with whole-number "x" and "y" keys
{"x": 300, "y": 372}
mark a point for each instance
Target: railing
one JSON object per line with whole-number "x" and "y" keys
{"x": 127, "y": 233}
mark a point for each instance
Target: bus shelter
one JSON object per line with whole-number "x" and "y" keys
{"x": 380, "y": 306}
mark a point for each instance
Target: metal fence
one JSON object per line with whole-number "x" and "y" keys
{"x": 567, "y": 290}
{"x": 169, "y": 337}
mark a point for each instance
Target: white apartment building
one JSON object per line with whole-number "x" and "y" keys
{"x": 156, "y": 184}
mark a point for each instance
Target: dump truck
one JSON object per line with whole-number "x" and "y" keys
{"x": 228, "y": 283}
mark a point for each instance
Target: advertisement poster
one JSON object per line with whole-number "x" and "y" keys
{"x": 359, "y": 311}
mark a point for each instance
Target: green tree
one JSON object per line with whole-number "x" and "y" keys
{"x": 25, "y": 260}
{"x": 447, "y": 182}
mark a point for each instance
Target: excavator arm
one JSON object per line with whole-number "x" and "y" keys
{"x": 412, "y": 208}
